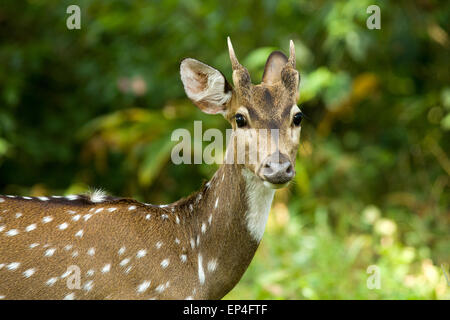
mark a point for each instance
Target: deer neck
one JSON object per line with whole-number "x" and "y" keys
{"x": 226, "y": 220}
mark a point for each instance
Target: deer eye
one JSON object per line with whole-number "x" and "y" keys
{"x": 240, "y": 120}
{"x": 297, "y": 119}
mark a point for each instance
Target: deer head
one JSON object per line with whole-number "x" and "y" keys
{"x": 261, "y": 114}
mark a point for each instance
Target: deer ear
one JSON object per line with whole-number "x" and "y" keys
{"x": 205, "y": 86}
{"x": 274, "y": 65}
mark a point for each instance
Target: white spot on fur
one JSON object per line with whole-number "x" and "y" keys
{"x": 128, "y": 269}
{"x": 88, "y": 285}
{"x": 49, "y": 252}
{"x": 203, "y": 227}
{"x": 2, "y": 200}
{"x": 18, "y": 215}
{"x": 212, "y": 265}
{"x": 112, "y": 209}
{"x": 43, "y": 198}
{"x": 210, "y": 219}
{"x": 90, "y": 273}
{"x": 68, "y": 247}
{"x": 72, "y": 197}
{"x": 12, "y": 232}
{"x": 99, "y": 210}
{"x": 51, "y": 281}
{"x": 177, "y": 220}
{"x": 91, "y": 251}
{"x": 201, "y": 273}
{"x": 79, "y": 234}
{"x": 159, "y": 244}
{"x": 66, "y": 274}
{"x": 106, "y": 268}
{"x": 71, "y": 212}
{"x": 183, "y": 258}
{"x": 27, "y": 198}
{"x": 192, "y": 243}
{"x": 76, "y": 218}
{"x": 164, "y": 216}
{"x": 143, "y": 286}
{"x": 147, "y": 217}
{"x": 217, "y": 202}
{"x": 28, "y": 273}
{"x": 31, "y": 227}
{"x": 162, "y": 287}
{"x": 259, "y": 200}
{"x": 33, "y": 245}
{"x": 131, "y": 208}
{"x": 13, "y": 266}
{"x": 165, "y": 263}
{"x": 141, "y": 253}
{"x": 70, "y": 296}
{"x": 47, "y": 219}
{"x": 124, "y": 262}
{"x": 63, "y": 226}
{"x": 86, "y": 217}
{"x": 121, "y": 251}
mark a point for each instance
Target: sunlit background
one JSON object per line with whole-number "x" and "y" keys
{"x": 96, "y": 108}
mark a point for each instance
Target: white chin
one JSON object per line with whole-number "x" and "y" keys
{"x": 275, "y": 186}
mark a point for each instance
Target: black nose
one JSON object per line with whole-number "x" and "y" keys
{"x": 277, "y": 168}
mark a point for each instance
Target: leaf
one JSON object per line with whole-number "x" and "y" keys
{"x": 155, "y": 157}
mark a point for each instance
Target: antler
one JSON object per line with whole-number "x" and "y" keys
{"x": 241, "y": 76}
{"x": 234, "y": 61}
{"x": 291, "y": 60}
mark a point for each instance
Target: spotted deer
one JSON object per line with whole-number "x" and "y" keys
{"x": 95, "y": 246}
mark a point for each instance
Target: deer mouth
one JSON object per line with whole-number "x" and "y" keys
{"x": 271, "y": 185}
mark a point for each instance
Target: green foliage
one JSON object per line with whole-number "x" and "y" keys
{"x": 97, "y": 106}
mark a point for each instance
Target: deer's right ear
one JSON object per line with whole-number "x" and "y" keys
{"x": 205, "y": 86}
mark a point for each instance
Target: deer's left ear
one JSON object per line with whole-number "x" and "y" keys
{"x": 274, "y": 64}
{"x": 205, "y": 86}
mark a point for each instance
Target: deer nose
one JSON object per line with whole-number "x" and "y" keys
{"x": 277, "y": 169}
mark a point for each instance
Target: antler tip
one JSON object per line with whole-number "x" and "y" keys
{"x": 234, "y": 60}
{"x": 292, "y": 53}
